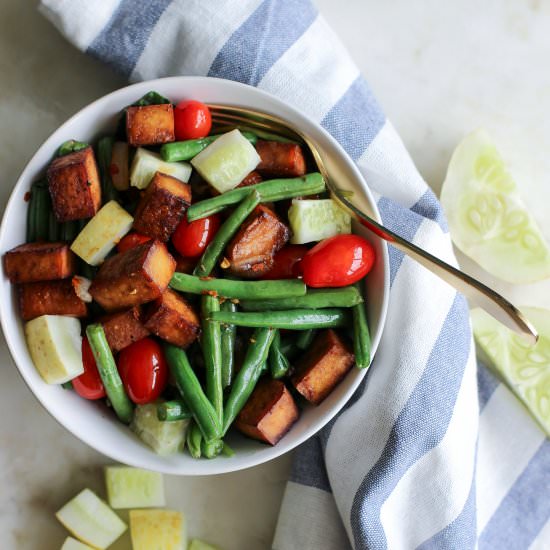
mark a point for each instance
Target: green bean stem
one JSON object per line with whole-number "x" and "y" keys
{"x": 109, "y": 374}
{"x": 228, "y": 346}
{"x": 211, "y": 449}
{"x": 173, "y": 410}
{"x": 278, "y": 363}
{"x": 361, "y": 336}
{"x": 194, "y": 440}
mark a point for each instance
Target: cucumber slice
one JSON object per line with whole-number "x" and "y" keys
{"x": 487, "y": 218}
{"x": 162, "y": 529}
{"x": 525, "y": 369}
{"x": 164, "y": 438}
{"x": 226, "y": 161}
{"x": 89, "y": 519}
{"x": 315, "y": 220}
{"x": 55, "y": 343}
{"x": 197, "y": 544}
{"x": 102, "y": 233}
{"x": 133, "y": 487}
{"x": 73, "y": 544}
{"x": 146, "y": 163}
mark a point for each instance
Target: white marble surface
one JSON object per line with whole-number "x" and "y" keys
{"x": 439, "y": 69}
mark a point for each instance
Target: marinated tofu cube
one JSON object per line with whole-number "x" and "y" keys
{"x": 123, "y": 328}
{"x": 251, "y": 251}
{"x": 162, "y": 206}
{"x": 269, "y": 412}
{"x": 323, "y": 366}
{"x": 50, "y": 298}
{"x": 133, "y": 277}
{"x": 74, "y": 185}
{"x": 150, "y": 124}
{"x": 32, "y": 262}
{"x": 280, "y": 159}
{"x": 252, "y": 179}
{"x": 172, "y": 318}
{"x": 184, "y": 264}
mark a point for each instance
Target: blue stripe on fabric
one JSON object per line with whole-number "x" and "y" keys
{"x": 429, "y": 207}
{"x": 525, "y": 509}
{"x": 262, "y": 39}
{"x": 308, "y": 466}
{"x": 417, "y": 429}
{"x": 356, "y": 119}
{"x": 122, "y": 41}
{"x": 487, "y": 383}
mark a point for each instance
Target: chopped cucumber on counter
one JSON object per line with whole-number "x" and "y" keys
{"x": 73, "y": 544}
{"x": 101, "y": 234}
{"x": 488, "y": 220}
{"x": 146, "y": 163}
{"x": 226, "y": 161}
{"x": 197, "y": 544}
{"x": 162, "y": 529}
{"x": 524, "y": 368}
{"x": 55, "y": 343}
{"x": 133, "y": 488}
{"x": 315, "y": 220}
{"x": 89, "y": 519}
{"x": 164, "y": 438}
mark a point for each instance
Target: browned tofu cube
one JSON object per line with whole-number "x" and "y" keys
{"x": 252, "y": 179}
{"x": 162, "y": 207}
{"x": 50, "y": 298}
{"x": 32, "y": 262}
{"x": 280, "y": 159}
{"x": 150, "y": 124}
{"x": 134, "y": 277}
{"x": 74, "y": 185}
{"x": 269, "y": 412}
{"x": 171, "y": 318}
{"x": 323, "y": 366}
{"x": 185, "y": 265}
{"x": 123, "y": 328}
{"x": 251, "y": 251}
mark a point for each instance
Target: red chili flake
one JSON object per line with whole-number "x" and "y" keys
{"x": 113, "y": 169}
{"x": 27, "y": 196}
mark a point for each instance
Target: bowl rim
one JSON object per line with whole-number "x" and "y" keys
{"x": 215, "y": 466}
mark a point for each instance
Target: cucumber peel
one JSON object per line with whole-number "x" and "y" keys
{"x": 146, "y": 163}
{"x": 133, "y": 488}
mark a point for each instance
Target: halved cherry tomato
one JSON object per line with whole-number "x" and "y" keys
{"x": 286, "y": 262}
{"x": 143, "y": 370}
{"x": 191, "y": 238}
{"x": 131, "y": 241}
{"x": 337, "y": 261}
{"x": 192, "y": 120}
{"x": 88, "y": 384}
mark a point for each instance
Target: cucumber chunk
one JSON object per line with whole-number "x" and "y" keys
{"x": 73, "y": 544}
{"x": 133, "y": 487}
{"x": 89, "y": 519}
{"x": 162, "y": 529}
{"x": 315, "y": 220}
{"x": 488, "y": 220}
{"x": 101, "y": 234}
{"x": 197, "y": 544}
{"x": 164, "y": 438}
{"x": 226, "y": 161}
{"x": 146, "y": 163}
{"x": 55, "y": 343}
{"x": 525, "y": 369}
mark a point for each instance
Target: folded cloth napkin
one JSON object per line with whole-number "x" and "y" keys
{"x": 410, "y": 462}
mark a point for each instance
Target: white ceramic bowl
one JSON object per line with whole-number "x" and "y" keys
{"x": 92, "y": 422}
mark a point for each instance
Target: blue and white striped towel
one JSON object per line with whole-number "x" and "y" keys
{"x": 413, "y": 461}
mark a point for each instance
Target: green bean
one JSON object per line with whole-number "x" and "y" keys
{"x": 228, "y": 346}
{"x": 291, "y": 319}
{"x": 289, "y": 348}
{"x": 270, "y": 191}
{"x": 278, "y": 363}
{"x": 194, "y": 440}
{"x": 225, "y": 233}
{"x": 283, "y": 288}
{"x": 69, "y": 230}
{"x": 42, "y": 213}
{"x": 67, "y": 385}
{"x": 176, "y": 409}
{"x": 104, "y": 153}
{"x": 347, "y": 296}
{"x": 211, "y": 449}
{"x": 71, "y": 146}
{"x": 193, "y": 395}
{"x": 212, "y": 352}
{"x": 186, "y": 150}
{"x": 54, "y": 228}
{"x": 305, "y": 338}
{"x": 227, "y": 450}
{"x": 86, "y": 270}
{"x": 32, "y": 210}
{"x": 268, "y": 136}
{"x": 108, "y": 372}
{"x": 361, "y": 336}
{"x": 247, "y": 377}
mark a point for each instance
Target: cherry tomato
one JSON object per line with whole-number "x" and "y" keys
{"x": 191, "y": 238}
{"x": 286, "y": 262}
{"x": 337, "y": 261}
{"x": 131, "y": 241}
{"x": 192, "y": 120}
{"x": 143, "y": 370}
{"x": 88, "y": 384}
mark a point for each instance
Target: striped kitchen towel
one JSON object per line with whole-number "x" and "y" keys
{"x": 415, "y": 459}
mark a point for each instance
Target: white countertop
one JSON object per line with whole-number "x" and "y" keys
{"x": 439, "y": 69}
